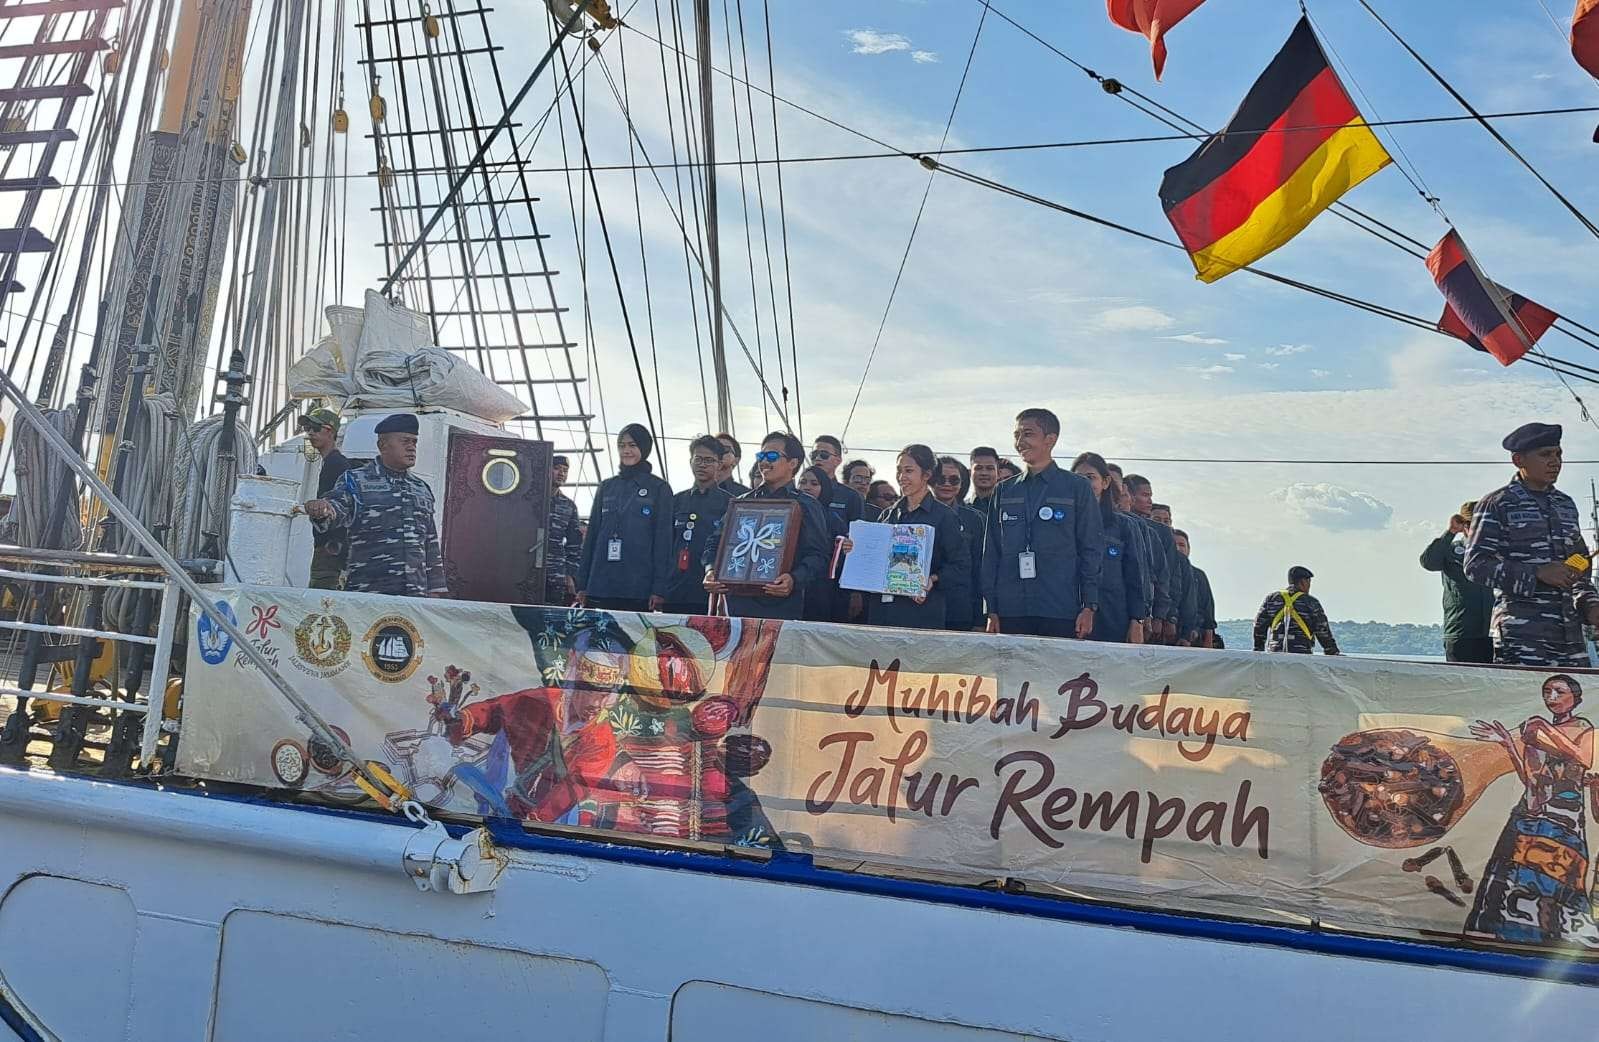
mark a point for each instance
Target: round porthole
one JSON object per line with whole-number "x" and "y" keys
{"x": 501, "y": 476}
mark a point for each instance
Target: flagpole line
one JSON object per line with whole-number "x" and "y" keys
{"x": 1418, "y": 181}
{"x": 1489, "y": 127}
{"x": 1381, "y": 310}
{"x": 1340, "y": 208}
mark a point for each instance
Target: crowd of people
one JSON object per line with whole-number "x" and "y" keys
{"x": 1082, "y": 552}
{"x": 1517, "y": 575}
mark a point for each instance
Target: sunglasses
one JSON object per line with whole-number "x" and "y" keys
{"x": 821, "y": 456}
{"x": 769, "y": 456}
{"x": 948, "y": 479}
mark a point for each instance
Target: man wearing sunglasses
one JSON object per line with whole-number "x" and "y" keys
{"x": 727, "y": 471}
{"x": 843, "y": 501}
{"x": 846, "y": 504}
{"x": 696, "y": 524}
{"x": 779, "y": 460}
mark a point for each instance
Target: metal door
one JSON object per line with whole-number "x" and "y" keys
{"x": 496, "y": 516}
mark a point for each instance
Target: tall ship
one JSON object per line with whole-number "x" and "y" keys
{"x": 236, "y": 807}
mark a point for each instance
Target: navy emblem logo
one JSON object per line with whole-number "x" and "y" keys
{"x": 393, "y": 649}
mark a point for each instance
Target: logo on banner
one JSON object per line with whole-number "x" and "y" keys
{"x": 393, "y": 649}
{"x": 322, "y": 643}
{"x": 213, "y": 639}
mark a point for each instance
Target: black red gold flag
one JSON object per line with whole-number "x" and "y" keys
{"x": 1294, "y": 146}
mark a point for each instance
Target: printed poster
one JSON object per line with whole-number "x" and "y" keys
{"x": 1384, "y": 797}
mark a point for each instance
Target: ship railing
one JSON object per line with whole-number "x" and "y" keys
{"x": 63, "y": 622}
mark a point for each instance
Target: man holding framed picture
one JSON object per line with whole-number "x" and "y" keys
{"x": 768, "y": 558}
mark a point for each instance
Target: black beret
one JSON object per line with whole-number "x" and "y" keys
{"x": 1298, "y": 572}
{"x": 399, "y": 423}
{"x": 1531, "y": 436}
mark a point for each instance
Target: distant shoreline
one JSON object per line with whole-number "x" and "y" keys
{"x": 1386, "y": 639}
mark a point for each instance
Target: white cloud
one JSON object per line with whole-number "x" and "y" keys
{"x": 1268, "y": 365}
{"x": 870, "y": 41}
{"x": 1196, "y": 338}
{"x": 1235, "y": 358}
{"x": 924, "y": 57}
{"x": 1136, "y": 319}
{"x": 1283, "y": 350}
{"x": 1334, "y": 508}
{"x": 1206, "y": 372}
{"x": 1321, "y": 374}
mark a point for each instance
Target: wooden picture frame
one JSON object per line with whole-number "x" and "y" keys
{"x": 759, "y": 540}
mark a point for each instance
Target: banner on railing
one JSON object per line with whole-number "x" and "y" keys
{"x": 1388, "y": 796}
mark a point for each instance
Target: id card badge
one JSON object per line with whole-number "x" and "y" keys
{"x": 1027, "y": 564}
{"x": 613, "y": 550}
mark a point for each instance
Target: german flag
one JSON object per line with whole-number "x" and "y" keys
{"x": 1482, "y": 313}
{"x": 1294, "y": 146}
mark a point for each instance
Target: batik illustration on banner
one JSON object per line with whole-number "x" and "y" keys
{"x": 1376, "y": 796}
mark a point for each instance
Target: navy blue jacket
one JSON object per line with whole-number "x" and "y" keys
{"x": 1053, "y": 514}
{"x": 811, "y": 555}
{"x": 962, "y": 612}
{"x": 696, "y": 524}
{"x": 951, "y": 564}
{"x": 1168, "y": 575}
{"x": 1139, "y": 542}
{"x": 635, "y": 507}
{"x": 1121, "y": 581}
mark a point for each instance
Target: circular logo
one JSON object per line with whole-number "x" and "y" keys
{"x": 322, "y": 643}
{"x": 643, "y": 492}
{"x": 646, "y": 511}
{"x": 1113, "y": 551}
{"x": 1060, "y": 515}
{"x": 214, "y": 642}
{"x": 393, "y": 649}
{"x": 1045, "y": 513}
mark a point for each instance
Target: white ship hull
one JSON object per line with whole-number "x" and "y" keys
{"x": 133, "y": 913}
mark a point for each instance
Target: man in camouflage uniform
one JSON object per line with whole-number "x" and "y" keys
{"x": 564, "y": 544}
{"x": 394, "y": 543}
{"x": 1292, "y": 620}
{"x": 1526, "y": 544}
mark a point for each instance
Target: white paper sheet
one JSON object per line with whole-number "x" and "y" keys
{"x": 890, "y": 559}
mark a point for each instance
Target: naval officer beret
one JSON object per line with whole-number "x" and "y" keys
{"x": 399, "y": 423}
{"x": 1531, "y": 436}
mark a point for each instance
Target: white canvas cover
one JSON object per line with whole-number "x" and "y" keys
{"x": 380, "y": 356}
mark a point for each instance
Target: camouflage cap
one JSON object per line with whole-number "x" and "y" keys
{"x": 320, "y": 418}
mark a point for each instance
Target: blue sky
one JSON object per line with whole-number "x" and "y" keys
{"x": 1005, "y": 305}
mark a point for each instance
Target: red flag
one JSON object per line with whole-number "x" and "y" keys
{"x": 1152, "y": 18}
{"x": 1584, "y": 35}
{"x": 1483, "y": 313}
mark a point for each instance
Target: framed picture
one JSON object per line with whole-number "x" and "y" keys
{"x": 758, "y": 542}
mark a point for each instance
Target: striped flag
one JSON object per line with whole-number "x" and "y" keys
{"x": 1483, "y": 313}
{"x": 1294, "y": 146}
{"x": 1151, "y": 18}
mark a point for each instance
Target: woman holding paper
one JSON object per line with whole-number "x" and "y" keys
{"x": 949, "y": 565}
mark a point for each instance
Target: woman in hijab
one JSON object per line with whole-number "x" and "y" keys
{"x": 1122, "y": 607}
{"x": 822, "y": 600}
{"x": 627, "y": 554}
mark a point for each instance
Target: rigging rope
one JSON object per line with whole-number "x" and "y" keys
{"x": 1482, "y": 120}
{"x": 921, "y": 208}
{"x": 782, "y": 212}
